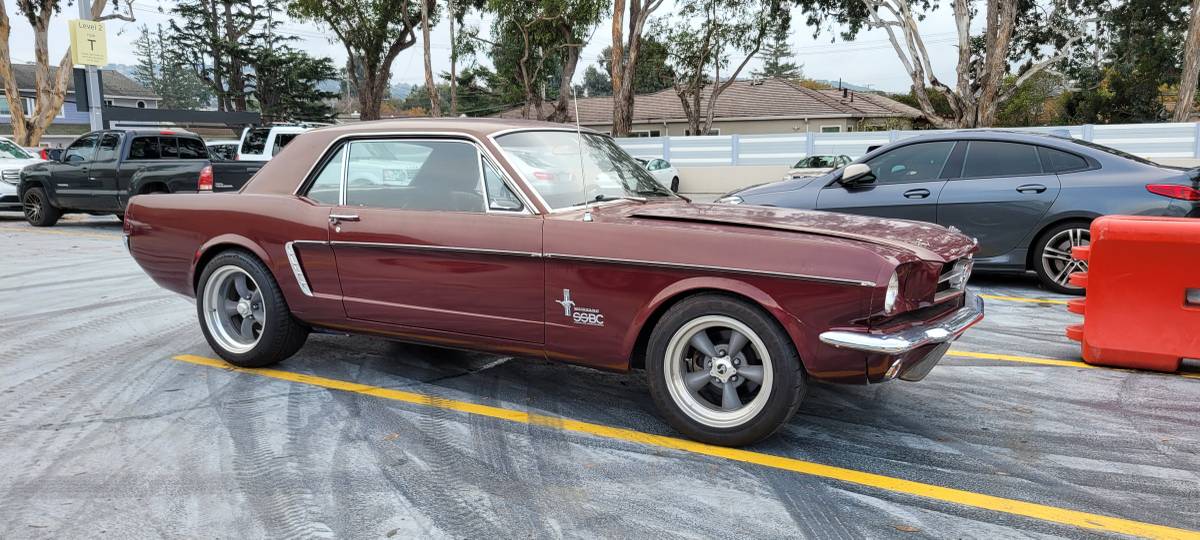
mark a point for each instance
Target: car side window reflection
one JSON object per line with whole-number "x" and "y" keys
{"x": 500, "y": 197}
{"x": 81, "y": 151}
{"x": 327, "y": 186}
{"x": 414, "y": 175}
{"x": 921, "y": 162}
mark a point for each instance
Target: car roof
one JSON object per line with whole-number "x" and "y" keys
{"x": 479, "y": 127}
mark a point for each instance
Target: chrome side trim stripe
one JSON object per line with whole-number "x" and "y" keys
{"x": 297, "y": 271}
{"x": 707, "y": 268}
{"x": 444, "y": 249}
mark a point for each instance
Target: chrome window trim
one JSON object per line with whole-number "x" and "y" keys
{"x": 703, "y": 267}
{"x": 297, "y": 270}
{"x": 438, "y": 135}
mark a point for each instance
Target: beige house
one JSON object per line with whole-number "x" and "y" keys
{"x": 755, "y": 107}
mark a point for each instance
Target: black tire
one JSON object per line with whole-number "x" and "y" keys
{"x": 1036, "y": 258}
{"x": 280, "y": 336}
{"x": 788, "y": 379}
{"x": 675, "y": 184}
{"x": 38, "y": 210}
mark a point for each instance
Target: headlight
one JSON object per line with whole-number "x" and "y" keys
{"x": 730, "y": 199}
{"x": 893, "y": 292}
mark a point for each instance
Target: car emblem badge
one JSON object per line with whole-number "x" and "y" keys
{"x": 580, "y": 315}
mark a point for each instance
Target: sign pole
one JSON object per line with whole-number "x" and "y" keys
{"x": 93, "y": 81}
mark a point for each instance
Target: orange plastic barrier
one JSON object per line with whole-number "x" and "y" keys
{"x": 1142, "y": 308}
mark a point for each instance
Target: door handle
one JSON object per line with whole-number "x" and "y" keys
{"x": 916, "y": 194}
{"x": 1031, "y": 188}
{"x": 338, "y": 218}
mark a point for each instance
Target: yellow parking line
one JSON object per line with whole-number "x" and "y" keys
{"x": 950, "y": 495}
{"x": 1048, "y": 362}
{"x": 1022, "y": 299}
{"x": 110, "y": 237}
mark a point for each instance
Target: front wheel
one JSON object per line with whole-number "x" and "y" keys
{"x": 243, "y": 314}
{"x": 675, "y": 184}
{"x": 1053, "y": 261}
{"x": 722, "y": 371}
{"x": 38, "y": 210}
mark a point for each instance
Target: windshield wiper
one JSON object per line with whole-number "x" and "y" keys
{"x": 602, "y": 197}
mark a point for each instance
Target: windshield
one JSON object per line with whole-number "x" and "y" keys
{"x": 815, "y": 162}
{"x": 568, "y": 171}
{"x": 9, "y": 150}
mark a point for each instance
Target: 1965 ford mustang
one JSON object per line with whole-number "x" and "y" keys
{"x": 530, "y": 239}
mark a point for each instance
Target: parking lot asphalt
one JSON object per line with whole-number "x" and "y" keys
{"x": 116, "y": 421}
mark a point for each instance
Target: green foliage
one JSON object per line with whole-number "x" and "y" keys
{"x": 652, "y": 74}
{"x": 160, "y": 69}
{"x": 286, "y": 85}
{"x": 1034, "y": 103}
{"x": 776, "y": 55}
{"x": 474, "y": 96}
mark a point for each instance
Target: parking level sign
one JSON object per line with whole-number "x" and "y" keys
{"x": 88, "y": 45}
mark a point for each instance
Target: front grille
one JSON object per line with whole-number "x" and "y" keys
{"x": 11, "y": 176}
{"x": 953, "y": 279}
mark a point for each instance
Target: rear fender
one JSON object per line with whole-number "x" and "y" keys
{"x": 209, "y": 249}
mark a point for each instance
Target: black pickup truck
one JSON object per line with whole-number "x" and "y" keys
{"x": 101, "y": 170}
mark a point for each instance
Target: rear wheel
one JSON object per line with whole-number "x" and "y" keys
{"x": 723, "y": 372}
{"x": 38, "y": 210}
{"x": 243, "y": 314}
{"x": 1053, "y": 261}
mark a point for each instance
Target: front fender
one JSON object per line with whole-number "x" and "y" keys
{"x": 795, "y": 328}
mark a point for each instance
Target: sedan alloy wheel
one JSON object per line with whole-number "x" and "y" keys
{"x": 1057, "y": 261}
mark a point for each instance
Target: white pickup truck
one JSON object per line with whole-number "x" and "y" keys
{"x": 261, "y": 143}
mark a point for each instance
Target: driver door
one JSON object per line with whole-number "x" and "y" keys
{"x": 72, "y": 175}
{"x": 908, "y": 182}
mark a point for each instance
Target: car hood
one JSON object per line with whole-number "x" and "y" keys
{"x": 6, "y": 164}
{"x": 926, "y": 241}
{"x": 810, "y": 171}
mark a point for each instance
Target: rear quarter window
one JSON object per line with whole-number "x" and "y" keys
{"x": 1057, "y": 161}
{"x": 192, "y": 149}
{"x": 255, "y": 141}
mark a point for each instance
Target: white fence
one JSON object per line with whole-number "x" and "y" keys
{"x": 1146, "y": 140}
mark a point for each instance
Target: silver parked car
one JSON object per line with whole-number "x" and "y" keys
{"x": 1027, "y": 198}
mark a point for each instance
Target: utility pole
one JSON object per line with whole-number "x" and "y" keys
{"x": 93, "y": 79}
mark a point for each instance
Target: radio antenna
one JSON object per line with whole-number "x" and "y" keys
{"x": 587, "y": 211}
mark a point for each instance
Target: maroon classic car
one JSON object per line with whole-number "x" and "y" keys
{"x": 530, "y": 239}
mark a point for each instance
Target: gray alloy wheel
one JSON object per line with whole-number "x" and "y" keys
{"x": 234, "y": 311}
{"x": 1056, "y": 259}
{"x": 38, "y": 210}
{"x": 719, "y": 372}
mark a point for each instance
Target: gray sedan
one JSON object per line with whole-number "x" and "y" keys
{"x": 1027, "y": 198}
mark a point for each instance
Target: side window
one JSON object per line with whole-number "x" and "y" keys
{"x": 920, "y": 162}
{"x": 81, "y": 150}
{"x": 144, "y": 148}
{"x": 109, "y": 143}
{"x": 282, "y": 140}
{"x": 168, "y": 147}
{"x": 994, "y": 158}
{"x": 327, "y": 187}
{"x": 192, "y": 149}
{"x": 255, "y": 141}
{"x": 1057, "y": 161}
{"x": 414, "y": 175}
{"x": 500, "y": 197}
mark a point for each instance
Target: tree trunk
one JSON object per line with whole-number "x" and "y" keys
{"x": 616, "y": 68}
{"x": 435, "y": 108}
{"x": 1001, "y": 21}
{"x": 561, "y": 112}
{"x": 1191, "y": 67}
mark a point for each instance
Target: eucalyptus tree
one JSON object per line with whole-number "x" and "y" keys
{"x": 711, "y": 42}
{"x": 624, "y": 57}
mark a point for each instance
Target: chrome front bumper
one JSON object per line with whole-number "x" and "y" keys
{"x": 943, "y": 330}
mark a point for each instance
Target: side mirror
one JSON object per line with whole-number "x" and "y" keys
{"x": 857, "y": 174}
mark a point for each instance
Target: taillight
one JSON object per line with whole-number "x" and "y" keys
{"x": 206, "y": 179}
{"x": 1175, "y": 191}
{"x": 543, "y": 175}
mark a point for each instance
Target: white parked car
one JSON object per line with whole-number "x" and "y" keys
{"x": 262, "y": 143}
{"x": 816, "y": 165}
{"x": 663, "y": 171}
{"x": 13, "y": 158}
